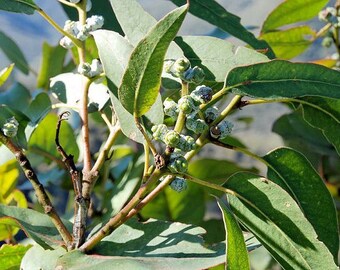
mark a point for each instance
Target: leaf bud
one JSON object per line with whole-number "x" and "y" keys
{"x": 222, "y": 130}
{"x": 171, "y": 108}
{"x": 194, "y": 75}
{"x": 187, "y": 105}
{"x": 159, "y": 132}
{"x": 172, "y": 138}
{"x": 179, "y": 184}
{"x": 202, "y": 94}
{"x": 10, "y": 128}
{"x": 210, "y": 114}
{"x": 177, "y": 163}
{"x": 196, "y": 125}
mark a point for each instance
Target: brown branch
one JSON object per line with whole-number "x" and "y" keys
{"x": 80, "y": 209}
{"x": 40, "y": 192}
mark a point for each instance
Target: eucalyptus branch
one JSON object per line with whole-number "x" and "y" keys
{"x": 117, "y": 220}
{"x": 39, "y": 190}
{"x": 80, "y": 209}
{"x": 217, "y": 96}
{"x": 233, "y": 103}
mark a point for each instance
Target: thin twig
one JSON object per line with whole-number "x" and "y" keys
{"x": 80, "y": 209}
{"x": 40, "y": 192}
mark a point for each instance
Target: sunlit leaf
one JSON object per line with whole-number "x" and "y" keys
{"x": 11, "y": 256}
{"x": 4, "y": 73}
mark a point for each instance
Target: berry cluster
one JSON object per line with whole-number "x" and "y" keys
{"x": 80, "y": 31}
{"x": 10, "y": 128}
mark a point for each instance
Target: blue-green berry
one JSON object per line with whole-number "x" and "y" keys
{"x": 159, "y": 132}
{"x": 186, "y": 143}
{"x": 194, "y": 75}
{"x": 202, "y": 94}
{"x": 187, "y": 104}
{"x": 210, "y": 114}
{"x": 177, "y": 163}
{"x": 171, "y": 108}
{"x": 172, "y": 138}
{"x": 180, "y": 66}
{"x": 222, "y": 130}
{"x": 10, "y": 128}
{"x": 196, "y": 125}
{"x": 179, "y": 184}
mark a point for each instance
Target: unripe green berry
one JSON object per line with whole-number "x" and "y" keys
{"x": 210, "y": 114}
{"x": 186, "y": 143}
{"x": 159, "y": 132}
{"x": 172, "y": 138}
{"x": 180, "y": 66}
{"x": 196, "y": 125}
{"x": 202, "y": 94}
{"x": 177, "y": 163}
{"x": 179, "y": 184}
{"x": 187, "y": 105}
{"x": 327, "y": 42}
{"x": 171, "y": 108}
{"x": 222, "y": 130}
{"x": 194, "y": 75}
{"x": 10, "y": 128}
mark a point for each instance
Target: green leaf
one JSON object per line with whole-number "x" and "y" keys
{"x": 4, "y": 73}
{"x": 12, "y": 51}
{"x": 292, "y": 11}
{"x": 215, "y": 14}
{"x": 236, "y": 250}
{"x": 142, "y": 78}
{"x": 36, "y": 225}
{"x": 216, "y": 56}
{"x": 16, "y": 97}
{"x": 19, "y": 6}
{"x": 283, "y": 79}
{"x": 10, "y": 256}
{"x": 66, "y": 87}
{"x": 324, "y": 114}
{"x": 9, "y": 174}
{"x": 278, "y": 223}
{"x": 43, "y": 138}
{"x": 151, "y": 245}
{"x": 293, "y": 172}
{"x": 51, "y": 65}
{"x": 39, "y": 258}
{"x": 291, "y": 42}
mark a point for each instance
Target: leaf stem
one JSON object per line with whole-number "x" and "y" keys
{"x": 39, "y": 190}
{"x": 235, "y": 101}
{"x": 146, "y": 137}
{"x": 181, "y": 116}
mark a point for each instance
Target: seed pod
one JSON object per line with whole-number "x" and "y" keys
{"x": 194, "y": 75}
{"x": 84, "y": 69}
{"x": 159, "y": 132}
{"x": 171, "y": 108}
{"x": 172, "y": 138}
{"x": 202, "y": 94}
{"x": 179, "y": 184}
{"x": 186, "y": 143}
{"x": 187, "y": 105}
{"x": 222, "y": 130}
{"x": 210, "y": 114}
{"x": 66, "y": 42}
{"x": 179, "y": 67}
{"x": 168, "y": 65}
{"x": 10, "y": 128}
{"x": 196, "y": 125}
{"x": 94, "y": 22}
{"x": 96, "y": 67}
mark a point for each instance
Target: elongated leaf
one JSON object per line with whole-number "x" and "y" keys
{"x": 290, "y": 43}
{"x": 216, "y": 56}
{"x": 36, "y": 225}
{"x": 278, "y": 223}
{"x": 283, "y": 79}
{"x": 151, "y": 245}
{"x": 236, "y": 251}
{"x": 4, "y": 73}
{"x": 215, "y": 14}
{"x": 142, "y": 78}
{"x": 19, "y": 6}
{"x": 324, "y": 114}
{"x": 16, "y": 97}
{"x": 11, "y": 255}
{"x": 52, "y": 64}
{"x": 12, "y": 51}
{"x": 293, "y": 172}
{"x": 292, "y": 11}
